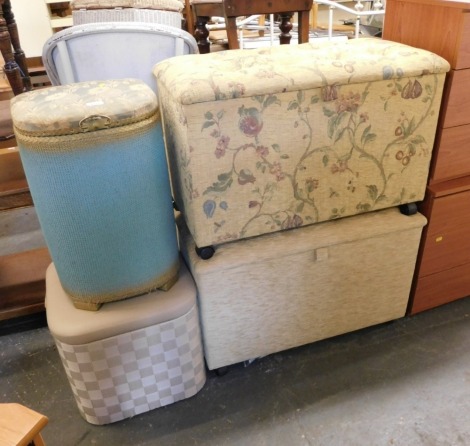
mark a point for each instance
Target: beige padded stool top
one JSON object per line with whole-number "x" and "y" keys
{"x": 75, "y": 327}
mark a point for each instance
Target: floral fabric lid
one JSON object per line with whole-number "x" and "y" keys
{"x": 245, "y": 73}
{"x": 82, "y": 107}
{"x": 165, "y": 5}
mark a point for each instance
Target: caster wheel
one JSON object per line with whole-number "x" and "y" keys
{"x": 206, "y": 252}
{"x": 221, "y": 371}
{"x": 175, "y": 206}
{"x": 409, "y": 208}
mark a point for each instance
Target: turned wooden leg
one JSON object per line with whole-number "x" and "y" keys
{"x": 286, "y": 27}
{"x": 201, "y": 33}
{"x": 303, "y": 27}
{"x": 19, "y": 55}
{"x": 12, "y": 71}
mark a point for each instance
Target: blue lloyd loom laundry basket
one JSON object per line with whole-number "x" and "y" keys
{"x": 95, "y": 162}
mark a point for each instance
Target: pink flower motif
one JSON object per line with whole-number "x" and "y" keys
{"x": 250, "y": 122}
{"x": 250, "y": 126}
{"x": 349, "y": 102}
{"x": 219, "y": 152}
{"x": 222, "y": 145}
{"x": 262, "y": 151}
{"x": 312, "y": 184}
{"x": 341, "y": 166}
{"x": 292, "y": 222}
{"x": 276, "y": 170}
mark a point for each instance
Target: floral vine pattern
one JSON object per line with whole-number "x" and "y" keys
{"x": 283, "y": 160}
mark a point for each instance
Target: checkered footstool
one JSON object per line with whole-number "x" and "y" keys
{"x": 131, "y": 356}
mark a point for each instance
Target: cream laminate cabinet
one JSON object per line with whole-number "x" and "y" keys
{"x": 37, "y": 20}
{"x": 443, "y": 268}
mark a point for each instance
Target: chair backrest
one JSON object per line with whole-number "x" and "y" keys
{"x": 285, "y": 8}
{"x": 102, "y": 51}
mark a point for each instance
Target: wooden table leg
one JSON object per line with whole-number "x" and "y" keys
{"x": 201, "y": 34}
{"x": 11, "y": 68}
{"x": 19, "y": 55}
{"x": 286, "y": 27}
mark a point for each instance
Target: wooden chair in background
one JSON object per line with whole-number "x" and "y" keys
{"x": 203, "y": 10}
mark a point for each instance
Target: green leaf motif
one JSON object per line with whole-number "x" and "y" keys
{"x": 372, "y": 191}
{"x": 284, "y": 156}
{"x": 331, "y": 127}
{"x": 327, "y": 112}
{"x": 325, "y": 160}
{"x": 293, "y": 105}
{"x": 370, "y": 138}
{"x": 418, "y": 139}
{"x": 245, "y": 176}
{"x": 207, "y": 124}
{"x": 209, "y": 116}
{"x": 276, "y": 148}
{"x": 270, "y": 100}
{"x": 314, "y": 99}
{"x": 363, "y": 207}
{"x": 381, "y": 198}
{"x": 365, "y": 133}
{"x": 300, "y": 96}
{"x": 225, "y": 181}
{"x": 411, "y": 128}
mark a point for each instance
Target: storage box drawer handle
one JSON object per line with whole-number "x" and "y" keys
{"x": 321, "y": 254}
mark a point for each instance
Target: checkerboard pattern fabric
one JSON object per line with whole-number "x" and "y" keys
{"x": 132, "y": 373}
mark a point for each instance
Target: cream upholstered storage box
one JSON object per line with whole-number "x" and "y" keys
{"x": 165, "y": 12}
{"x": 277, "y": 138}
{"x": 276, "y": 291}
{"x": 132, "y": 356}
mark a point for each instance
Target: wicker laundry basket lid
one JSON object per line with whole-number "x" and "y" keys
{"x": 82, "y": 107}
{"x": 165, "y": 5}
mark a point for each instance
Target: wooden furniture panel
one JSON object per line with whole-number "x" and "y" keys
{"x": 20, "y": 425}
{"x": 14, "y": 189}
{"x": 441, "y": 288}
{"x": 463, "y": 53}
{"x": 447, "y": 232}
{"x": 443, "y": 266}
{"x": 60, "y": 14}
{"x": 22, "y": 285}
{"x": 415, "y": 23}
{"x": 455, "y": 109}
{"x": 452, "y": 159}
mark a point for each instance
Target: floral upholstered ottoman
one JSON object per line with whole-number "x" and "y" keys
{"x": 270, "y": 139}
